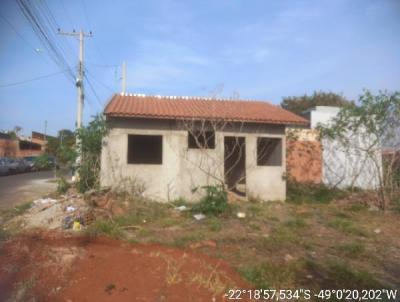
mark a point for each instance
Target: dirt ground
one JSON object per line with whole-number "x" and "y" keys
{"x": 50, "y": 266}
{"x": 21, "y": 188}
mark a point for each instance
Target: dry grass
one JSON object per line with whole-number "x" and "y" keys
{"x": 289, "y": 245}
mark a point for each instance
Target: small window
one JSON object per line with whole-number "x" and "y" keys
{"x": 201, "y": 140}
{"x": 269, "y": 151}
{"x": 145, "y": 149}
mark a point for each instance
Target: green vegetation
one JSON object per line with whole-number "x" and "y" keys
{"x": 215, "y": 202}
{"x": 62, "y": 185}
{"x": 343, "y": 275}
{"x": 269, "y": 275}
{"x": 90, "y": 138}
{"x": 21, "y": 209}
{"x": 347, "y": 226}
{"x": 299, "y": 104}
{"x": 312, "y": 193}
{"x": 103, "y": 227}
{"x": 353, "y": 249}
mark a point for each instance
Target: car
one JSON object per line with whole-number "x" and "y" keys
{"x": 4, "y": 166}
{"x": 13, "y": 165}
{"x": 30, "y": 160}
{"x": 23, "y": 165}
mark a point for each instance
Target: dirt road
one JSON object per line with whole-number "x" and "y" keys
{"x": 21, "y": 188}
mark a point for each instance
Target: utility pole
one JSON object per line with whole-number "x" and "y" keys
{"x": 123, "y": 77}
{"x": 79, "y": 81}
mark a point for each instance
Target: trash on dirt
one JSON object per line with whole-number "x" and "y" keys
{"x": 76, "y": 226}
{"x": 70, "y": 209}
{"x": 181, "y": 208}
{"x": 44, "y": 201}
{"x": 241, "y": 214}
{"x": 67, "y": 222}
{"x": 199, "y": 216}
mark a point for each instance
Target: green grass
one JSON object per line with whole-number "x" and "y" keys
{"x": 269, "y": 275}
{"x": 21, "y": 209}
{"x": 347, "y": 226}
{"x": 345, "y": 276}
{"x": 296, "y": 223}
{"x": 214, "y": 224}
{"x": 186, "y": 239}
{"x": 103, "y": 227}
{"x": 352, "y": 249}
{"x": 312, "y": 193}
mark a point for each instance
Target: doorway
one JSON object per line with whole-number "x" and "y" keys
{"x": 235, "y": 164}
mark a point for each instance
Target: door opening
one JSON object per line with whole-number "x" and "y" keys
{"x": 235, "y": 164}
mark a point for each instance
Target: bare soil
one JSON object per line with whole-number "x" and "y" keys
{"x": 50, "y": 266}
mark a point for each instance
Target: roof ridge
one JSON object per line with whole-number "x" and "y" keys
{"x": 199, "y": 98}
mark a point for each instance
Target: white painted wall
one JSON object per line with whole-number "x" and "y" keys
{"x": 345, "y": 166}
{"x": 185, "y": 169}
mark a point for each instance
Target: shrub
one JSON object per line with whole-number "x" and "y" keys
{"x": 90, "y": 139}
{"x": 215, "y": 202}
{"x": 312, "y": 193}
{"x": 62, "y": 185}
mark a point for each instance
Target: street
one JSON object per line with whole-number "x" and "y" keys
{"x": 21, "y": 188}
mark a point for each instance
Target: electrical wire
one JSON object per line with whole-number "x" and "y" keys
{"x": 33, "y": 79}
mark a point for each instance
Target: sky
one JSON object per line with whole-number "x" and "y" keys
{"x": 262, "y": 50}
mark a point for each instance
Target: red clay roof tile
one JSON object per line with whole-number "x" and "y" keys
{"x": 200, "y": 108}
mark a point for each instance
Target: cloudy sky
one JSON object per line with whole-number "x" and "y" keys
{"x": 261, "y": 50}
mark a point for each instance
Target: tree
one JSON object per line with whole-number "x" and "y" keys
{"x": 298, "y": 104}
{"x": 363, "y": 129}
{"x": 90, "y": 144}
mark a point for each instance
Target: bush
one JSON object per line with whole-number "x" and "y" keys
{"x": 312, "y": 193}
{"x": 62, "y": 185}
{"x": 90, "y": 142}
{"x": 43, "y": 162}
{"x": 214, "y": 203}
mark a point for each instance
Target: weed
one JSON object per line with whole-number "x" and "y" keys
{"x": 167, "y": 222}
{"x": 214, "y": 203}
{"x": 184, "y": 240}
{"x": 179, "y": 202}
{"x": 352, "y": 249}
{"x": 356, "y": 207}
{"x": 103, "y": 227}
{"x": 312, "y": 193}
{"x": 269, "y": 275}
{"x": 4, "y": 234}
{"x": 109, "y": 288}
{"x": 347, "y": 226}
{"x": 296, "y": 223}
{"x": 62, "y": 185}
{"x": 214, "y": 224}
{"x": 343, "y": 275}
{"x": 21, "y": 209}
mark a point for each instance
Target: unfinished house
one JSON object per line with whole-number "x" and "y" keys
{"x": 167, "y": 148}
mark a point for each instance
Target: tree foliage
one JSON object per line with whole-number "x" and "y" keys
{"x": 90, "y": 144}
{"x": 298, "y": 104}
{"x": 369, "y": 125}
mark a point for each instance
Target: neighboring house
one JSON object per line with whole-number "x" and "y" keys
{"x": 168, "y": 147}
{"x": 346, "y": 165}
{"x": 20, "y": 147}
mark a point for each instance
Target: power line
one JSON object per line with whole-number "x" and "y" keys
{"x": 42, "y": 22}
{"x": 33, "y": 79}
{"x": 98, "y": 81}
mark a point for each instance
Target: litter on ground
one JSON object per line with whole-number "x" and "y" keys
{"x": 199, "y": 216}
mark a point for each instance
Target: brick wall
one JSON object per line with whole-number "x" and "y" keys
{"x": 304, "y": 158}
